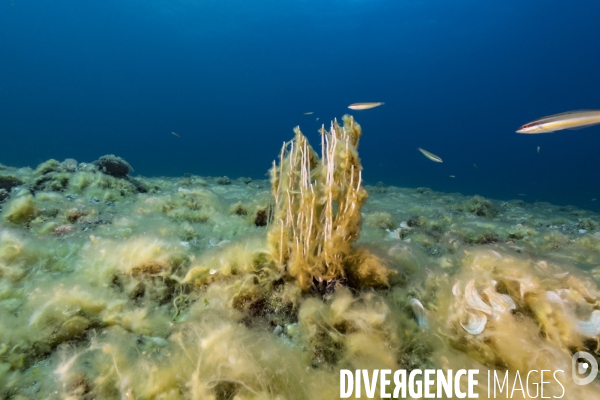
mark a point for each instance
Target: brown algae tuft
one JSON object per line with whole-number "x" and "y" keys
{"x": 318, "y": 203}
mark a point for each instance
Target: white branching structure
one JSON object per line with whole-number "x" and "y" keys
{"x": 317, "y": 203}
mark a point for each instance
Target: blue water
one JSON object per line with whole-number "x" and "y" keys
{"x": 81, "y": 79}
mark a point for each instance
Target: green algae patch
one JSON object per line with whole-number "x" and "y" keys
{"x": 21, "y": 210}
{"x": 381, "y": 220}
{"x": 478, "y": 206}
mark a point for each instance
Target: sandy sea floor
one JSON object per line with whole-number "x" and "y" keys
{"x": 161, "y": 288}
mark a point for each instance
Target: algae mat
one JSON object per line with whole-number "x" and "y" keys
{"x": 112, "y": 287}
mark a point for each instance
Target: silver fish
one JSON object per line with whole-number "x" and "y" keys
{"x": 566, "y": 120}
{"x": 429, "y": 155}
{"x": 364, "y": 106}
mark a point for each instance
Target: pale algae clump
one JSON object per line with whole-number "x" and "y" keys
{"x": 511, "y": 313}
{"x": 197, "y": 289}
{"x": 21, "y": 210}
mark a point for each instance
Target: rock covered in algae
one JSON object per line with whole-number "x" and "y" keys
{"x": 113, "y": 166}
{"x": 478, "y": 206}
{"x": 7, "y": 182}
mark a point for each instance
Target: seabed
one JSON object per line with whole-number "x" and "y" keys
{"x": 113, "y": 287}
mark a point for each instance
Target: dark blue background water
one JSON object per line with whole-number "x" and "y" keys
{"x": 84, "y": 78}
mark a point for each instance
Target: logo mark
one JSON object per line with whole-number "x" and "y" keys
{"x": 581, "y": 367}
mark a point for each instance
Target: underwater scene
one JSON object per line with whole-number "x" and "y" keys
{"x": 306, "y": 199}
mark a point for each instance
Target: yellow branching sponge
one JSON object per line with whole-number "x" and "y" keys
{"x": 316, "y": 218}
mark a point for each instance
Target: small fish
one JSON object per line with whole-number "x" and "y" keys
{"x": 475, "y": 165}
{"x": 317, "y": 119}
{"x": 308, "y": 113}
{"x": 593, "y": 200}
{"x": 429, "y": 155}
{"x": 538, "y": 149}
{"x": 452, "y": 176}
{"x": 567, "y": 120}
{"x": 420, "y": 313}
{"x": 364, "y": 106}
{"x": 175, "y": 134}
